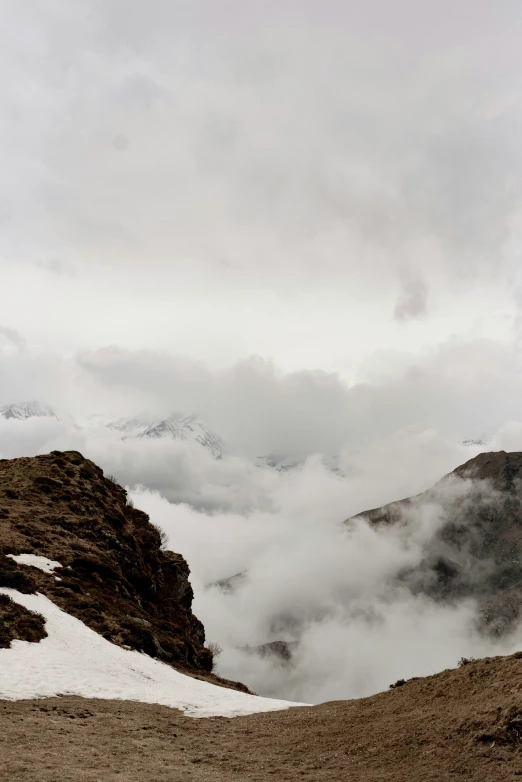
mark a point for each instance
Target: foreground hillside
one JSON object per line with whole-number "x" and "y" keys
{"x": 460, "y": 724}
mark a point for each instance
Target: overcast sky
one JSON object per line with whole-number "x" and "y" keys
{"x": 309, "y": 182}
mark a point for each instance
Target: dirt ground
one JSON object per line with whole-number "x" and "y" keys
{"x": 463, "y": 724}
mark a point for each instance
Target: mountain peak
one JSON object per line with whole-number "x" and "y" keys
{"x": 186, "y": 428}
{"x": 28, "y": 409}
{"x": 477, "y": 550}
{"x": 134, "y": 593}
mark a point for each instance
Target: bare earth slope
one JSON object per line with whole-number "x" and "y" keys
{"x": 462, "y": 724}
{"x": 115, "y": 576}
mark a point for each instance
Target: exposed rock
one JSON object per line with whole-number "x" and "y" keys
{"x": 114, "y": 577}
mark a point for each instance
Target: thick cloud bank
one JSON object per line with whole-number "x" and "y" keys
{"x": 332, "y": 592}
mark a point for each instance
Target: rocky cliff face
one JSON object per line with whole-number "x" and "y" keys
{"x": 115, "y": 576}
{"x": 476, "y": 549}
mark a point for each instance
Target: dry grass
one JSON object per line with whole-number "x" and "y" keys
{"x": 462, "y": 724}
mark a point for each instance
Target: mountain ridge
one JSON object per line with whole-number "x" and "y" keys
{"x": 114, "y": 576}
{"x": 477, "y": 551}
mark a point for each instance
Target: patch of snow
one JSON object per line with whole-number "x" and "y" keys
{"x": 74, "y": 660}
{"x": 42, "y": 563}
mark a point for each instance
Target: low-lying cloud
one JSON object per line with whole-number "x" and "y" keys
{"x": 333, "y": 592}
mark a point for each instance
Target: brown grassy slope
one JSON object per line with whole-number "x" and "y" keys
{"x": 462, "y": 724}
{"x": 115, "y": 577}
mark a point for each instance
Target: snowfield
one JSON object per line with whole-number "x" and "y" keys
{"x": 34, "y": 560}
{"x": 74, "y": 660}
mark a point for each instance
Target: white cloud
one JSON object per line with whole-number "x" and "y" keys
{"x": 232, "y": 182}
{"x": 308, "y": 579}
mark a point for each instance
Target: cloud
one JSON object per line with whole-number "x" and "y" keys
{"x": 335, "y": 593}
{"x": 290, "y": 162}
{"x": 465, "y": 388}
{"x": 13, "y": 336}
{"x": 58, "y": 267}
{"x": 412, "y": 301}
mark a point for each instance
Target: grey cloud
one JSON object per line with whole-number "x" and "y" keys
{"x": 265, "y": 149}
{"x": 13, "y": 336}
{"x": 58, "y": 267}
{"x": 334, "y": 592}
{"x": 463, "y": 388}
{"x": 412, "y": 301}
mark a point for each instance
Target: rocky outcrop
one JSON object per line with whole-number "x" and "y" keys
{"x": 19, "y": 624}
{"x": 115, "y": 575}
{"x": 476, "y": 549}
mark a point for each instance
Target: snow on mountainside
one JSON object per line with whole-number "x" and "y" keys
{"x": 74, "y": 660}
{"x": 188, "y": 428}
{"x": 129, "y": 427}
{"x": 23, "y": 410}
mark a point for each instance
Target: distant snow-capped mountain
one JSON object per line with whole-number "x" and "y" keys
{"x": 189, "y": 428}
{"x": 177, "y": 427}
{"x": 129, "y": 427}
{"x": 30, "y": 409}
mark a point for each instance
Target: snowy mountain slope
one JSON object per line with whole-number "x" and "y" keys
{"x": 129, "y": 427}
{"x": 74, "y": 660}
{"x": 30, "y": 409}
{"x": 188, "y": 428}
